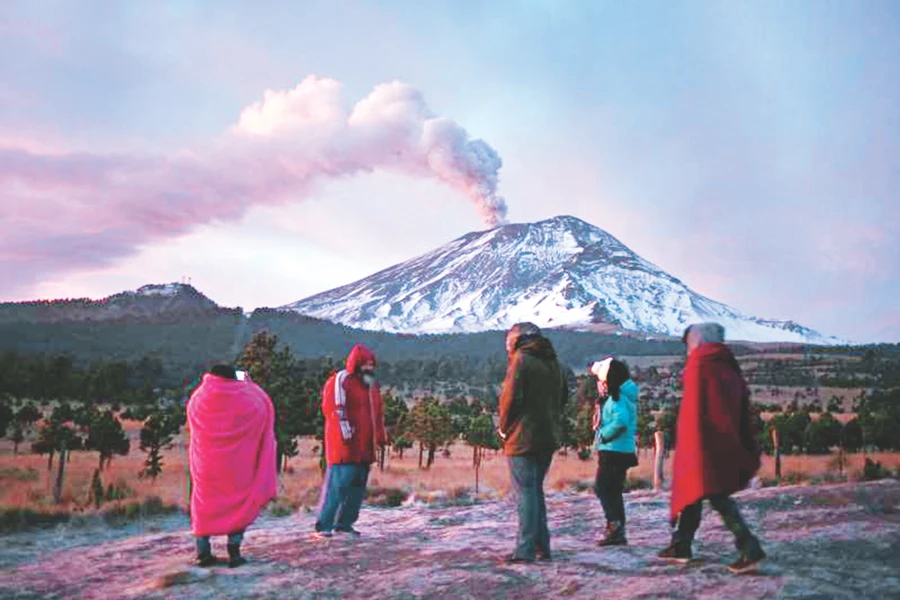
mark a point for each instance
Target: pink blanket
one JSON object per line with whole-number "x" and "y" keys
{"x": 232, "y": 455}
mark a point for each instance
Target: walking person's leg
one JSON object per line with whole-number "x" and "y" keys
{"x": 204, "y": 552}
{"x": 543, "y": 539}
{"x": 524, "y": 475}
{"x": 679, "y": 549}
{"x": 332, "y": 497}
{"x": 747, "y": 544}
{"x": 620, "y": 497}
{"x": 612, "y": 478}
{"x": 356, "y": 492}
{"x": 601, "y": 487}
{"x": 234, "y": 549}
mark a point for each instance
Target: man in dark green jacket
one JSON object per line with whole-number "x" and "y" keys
{"x": 531, "y": 404}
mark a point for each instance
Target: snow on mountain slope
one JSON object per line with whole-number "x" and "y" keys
{"x": 557, "y": 272}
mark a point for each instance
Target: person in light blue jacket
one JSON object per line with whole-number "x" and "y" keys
{"x": 615, "y": 425}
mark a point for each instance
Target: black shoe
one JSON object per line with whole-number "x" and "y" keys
{"x": 614, "y": 536}
{"x": 206, "y": 561}
{"x": 234, "y": 557}
{"x": 675, "y": 552}
{"x": 350, "y": 531}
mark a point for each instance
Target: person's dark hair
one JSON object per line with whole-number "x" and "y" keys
{"x": 224, "y": 370}
{"x": 618, "y": 374}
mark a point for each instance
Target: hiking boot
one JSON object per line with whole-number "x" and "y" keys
{"x": 349, "y": 530}
{"x": 614, "y": 536}
{"x": 234, "y": 556}
{"x": 749, "y": 559}
{"x": 206, "y": 561}
{"x": 675, "y": 552}
{"x": 745, "y": 565}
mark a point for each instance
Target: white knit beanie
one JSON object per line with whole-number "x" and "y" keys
{"x": 601, "y": 368}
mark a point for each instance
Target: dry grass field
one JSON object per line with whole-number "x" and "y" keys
{"x": 25, "y": 481}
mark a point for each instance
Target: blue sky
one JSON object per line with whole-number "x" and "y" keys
{"x": 751, "y": 149}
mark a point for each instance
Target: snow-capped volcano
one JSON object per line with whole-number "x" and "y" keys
{"x": 561, "y": 272}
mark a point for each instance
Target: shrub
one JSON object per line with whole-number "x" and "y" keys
{"x": 873, "y": 471}
{"x": 281, "y": 510}
{"x": 459, "y": 494}
{"x": 28, "y": 475}
{"x": 583, "y": 485}
{"x": 826, "y": 478}
{"x": 390, "y": 497}
{"x": 14, "y": 519}
{"x": 638, "y": 484}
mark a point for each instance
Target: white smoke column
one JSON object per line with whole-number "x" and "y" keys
{"x": 65, "y": 212}
{"x": 392, "y": 128}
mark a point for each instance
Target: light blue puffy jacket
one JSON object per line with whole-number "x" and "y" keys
{"x": 618, "y": 421}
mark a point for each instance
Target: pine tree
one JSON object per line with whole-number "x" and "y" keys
{"x": 281, "y": 376}
{"x": 431, "y": 426}
{"x": 107, "y": 436}
{"x": 480, "y": 435}
{"x": 156, "y": 434}
{"x": 56, "y": 433}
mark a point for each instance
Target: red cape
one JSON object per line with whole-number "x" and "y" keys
{"x": 715, "y": 445}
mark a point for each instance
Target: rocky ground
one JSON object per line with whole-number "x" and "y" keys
{"x": 824, "y": 542}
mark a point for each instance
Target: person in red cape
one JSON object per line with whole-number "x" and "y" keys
{"x": 716, "y": 452}
{"x": 231, "y": 458}
{"x": 354, "y": 429}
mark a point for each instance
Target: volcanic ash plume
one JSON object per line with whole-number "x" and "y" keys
{"x": 71, "y": 211}
{"x": 392, "y": 128}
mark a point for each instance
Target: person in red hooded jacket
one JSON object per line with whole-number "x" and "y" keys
{"x": 716, "y": 452}
{"x": 354, "y": 430}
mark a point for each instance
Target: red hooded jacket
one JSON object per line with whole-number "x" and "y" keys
{"x": 715, "y": 446}
{"x": 363, "y": 410}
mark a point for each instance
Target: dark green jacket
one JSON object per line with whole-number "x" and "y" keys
{"x": 534, "y": 393}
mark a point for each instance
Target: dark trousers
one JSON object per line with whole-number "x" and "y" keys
{"x": 609, "y": 486}
{"x": 527, "y": 475}
{"x": 204, "y": 548}
{"x": 689, "y": 521}
{"x": 342, "y": 496}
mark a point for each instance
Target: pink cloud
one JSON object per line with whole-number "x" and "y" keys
{"x": 62, "y": 212}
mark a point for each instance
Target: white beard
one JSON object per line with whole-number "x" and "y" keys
{"x": 369, "y": 380}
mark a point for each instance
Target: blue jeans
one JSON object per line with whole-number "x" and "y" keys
{"x": 205, "y": 549}
{"x": 342, "y": 496}
{"x": 527, "y": 476}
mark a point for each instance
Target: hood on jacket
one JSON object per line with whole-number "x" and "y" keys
{"x": 703, "y": 333}
{"x": 520, "y": 330}
{"x": 358, "y": 355}
{"x": 629, "y": 391}
{"x": 715, "y": 352}
{"x": 537, "y": 346}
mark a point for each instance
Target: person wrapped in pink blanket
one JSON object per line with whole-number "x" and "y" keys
{"x": 232, "y": 459}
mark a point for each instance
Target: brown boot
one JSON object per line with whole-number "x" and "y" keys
{"x": 614, "y": 535}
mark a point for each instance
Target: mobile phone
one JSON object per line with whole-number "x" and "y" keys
{"x": 240, "y": 375}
